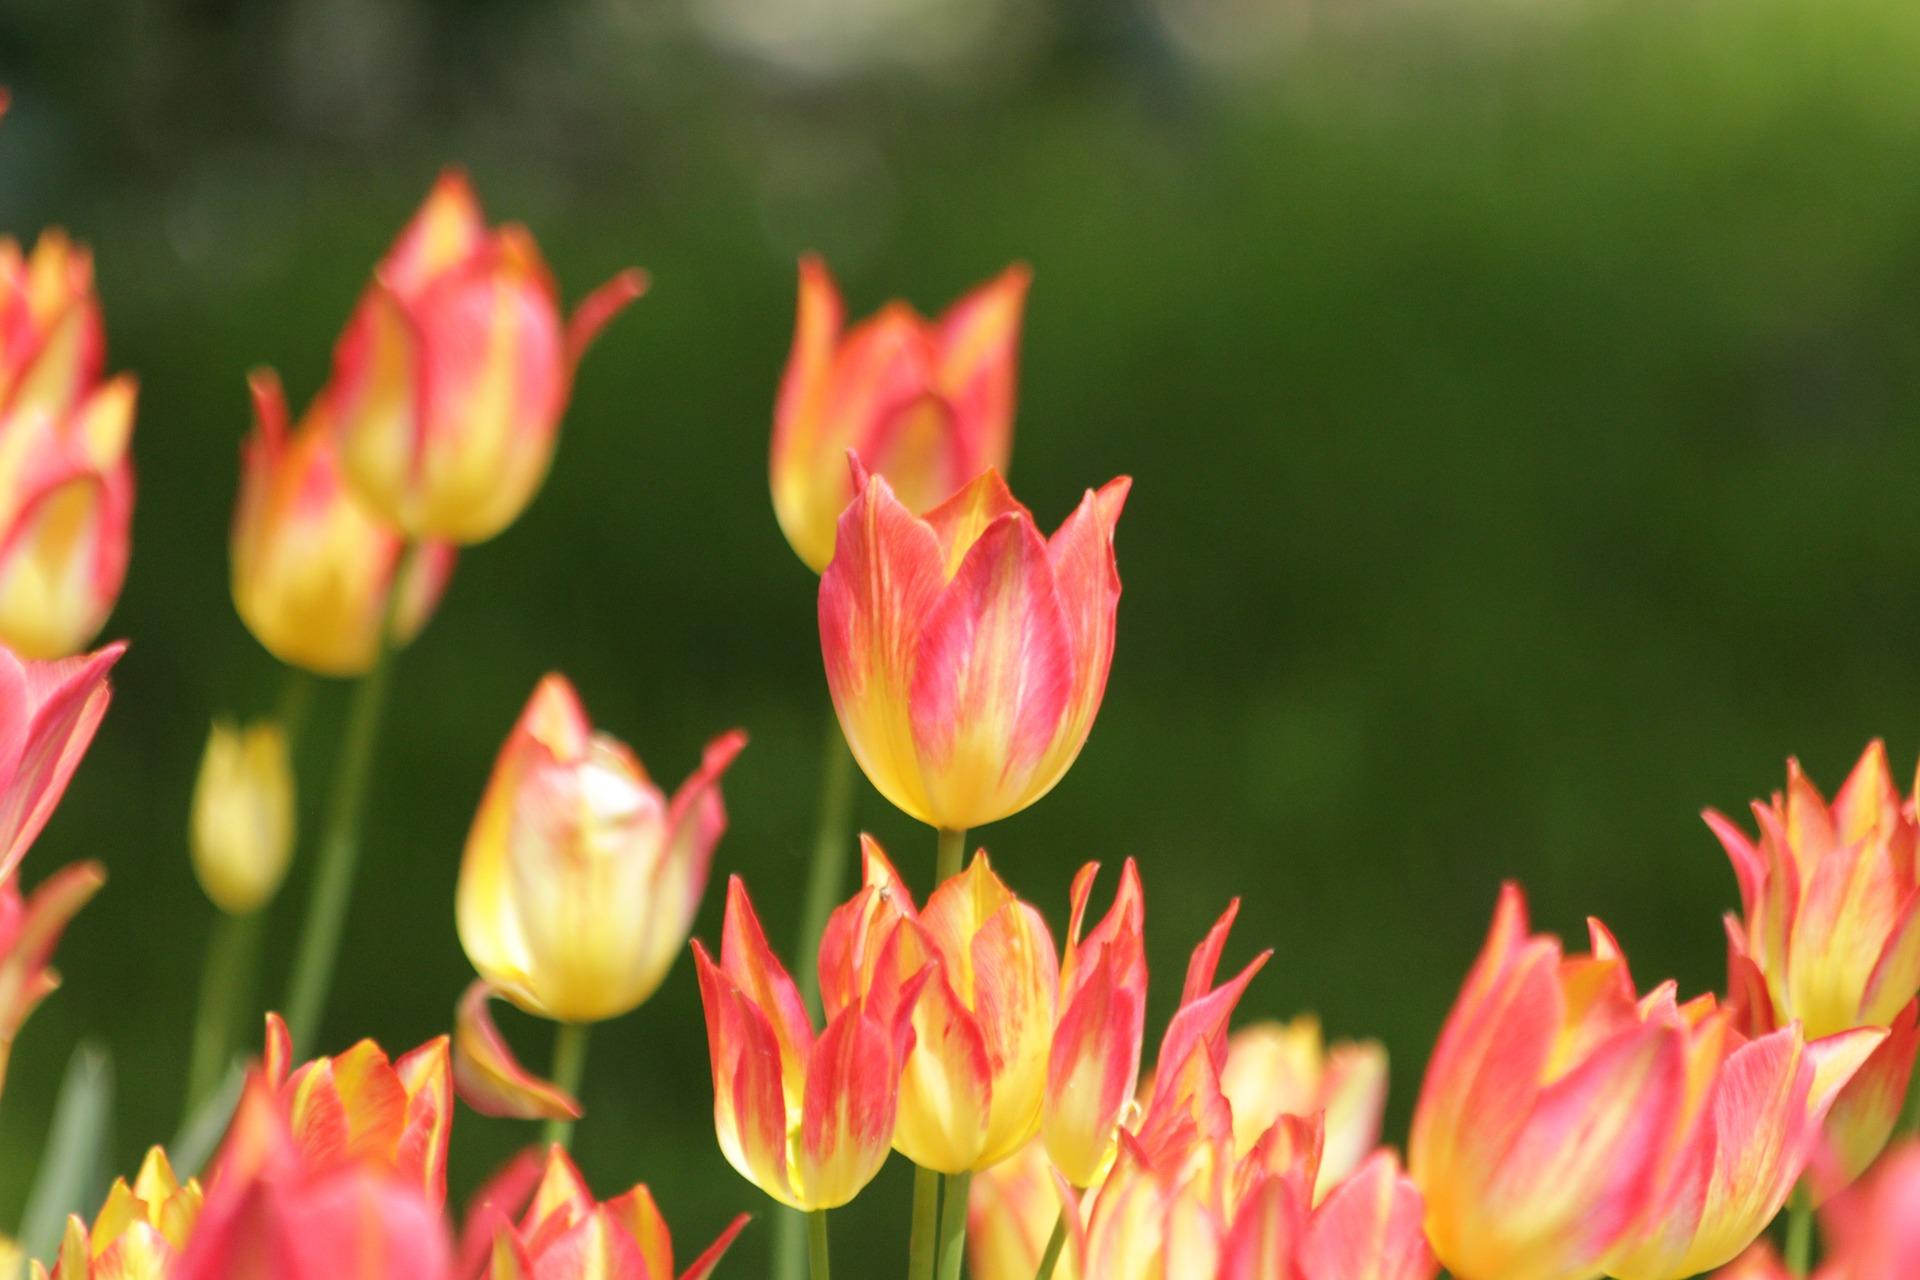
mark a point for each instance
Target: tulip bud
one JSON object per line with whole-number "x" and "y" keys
{"x": 312, "y": 567}
{"x": 450, "y": 380}
{"x": 1093, "y": 1066}
{"x": 66, "y": 486}
{"x": 243, "y": 815}
{"x": 581, "y": 879}
{"x": 966, "y": 654}
{"x": 926, "y": 403}
{"x": 1275, "y": 1069}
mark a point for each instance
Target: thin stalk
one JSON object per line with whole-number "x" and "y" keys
{"x": 953, "y": 1226}
{"x": 339, "y": 855}
{"x": 569, "y": 1068}
{"x": 1799, "y": 1250}
{"x": 1055, "y": 1242}
{"x": 296, "y": 695}
{"x": 926, "y": 1224}
{"x": 226, "y": 985}
{"x": 952, "y": 852}
{"x": 817, "y": 1245}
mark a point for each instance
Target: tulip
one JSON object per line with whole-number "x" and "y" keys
{"x": 1873, "y": 1231}
{"x": 450, "y": 379}
{"x": 807, "y": 1119}
{"x": 139, "y": 1233}
{"x": 361, "y": 1107}
{"x": 48, "y": 714}
{"x": 1830, "y": 935}
{"x": 926, "y": 403}
{"x": 1275, "y": 1069}
{"x": 966, "y": 654}
{"x": 312, "y": 566}
{"x": 568, "y": 1235}
{"x": 1093, "y": 1065}
{"x": 581, "y": 879}
{"x": 1368, "y": 1227}
{"x": 243, "y": 812}
{"x": 488, "y": 1076}
{"x": 30, "y": 929}
{"x": 1011, "y": 1212}
{"x": 971, "y": 1088}
{"x": 66, "y": 485}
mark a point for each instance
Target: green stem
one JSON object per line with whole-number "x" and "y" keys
{"x": 339, "y": 854}
{"x": 569, "y": 1068}
{"x": 225, "y": 987}
{"x": 1799, "y": 1250}
{"x": 296, "y": 695}
{"x": 817, "y": 1245}
{"x": 1055, "y": 1242}
{"x": 953, "y": 1226}
{"x": 952, "y": 851}
{"x": 926, "y": 1224}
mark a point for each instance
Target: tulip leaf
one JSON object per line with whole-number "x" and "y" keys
{"x": 74, "y": 1165}
{"x": 202, "y": 1130}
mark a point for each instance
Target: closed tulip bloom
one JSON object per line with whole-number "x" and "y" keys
{"x": 451, "y": 378}
{"x": 806, "y": 1118}
{"x": 581, "y": 878}
{"x": 1275, "y": 1069}
{"x": 66, "y": 485}
{"x": 566, "y": 1234}
{"x": 966, "y": 654}
{"x": 243, "y": 811}
{"x": 972, "y": 1085}
{"x": 926, "y": 403}
{"x": 1093, "y": 1066}
{"x": 30, "y": 929}
{"x": 312, "y": 566}
{"x": 1829, "y": 935}
{"x": 139, "y": 1233}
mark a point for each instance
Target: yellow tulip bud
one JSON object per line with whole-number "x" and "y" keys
{"x": 243, "y": 815}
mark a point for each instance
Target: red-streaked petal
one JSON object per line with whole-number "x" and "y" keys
{"x": 488, "y": 1075}
{"x": 847, "y": 1121}
{"x": 1369, "y": 1228}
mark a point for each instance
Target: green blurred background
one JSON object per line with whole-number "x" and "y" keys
{"x": 1521, "y": 398}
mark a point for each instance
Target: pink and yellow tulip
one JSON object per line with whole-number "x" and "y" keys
{"x": 565, "y": 1234}
{"x": 312, "y": 566}
{"x": 66, "y": 485}
{"x": 139, "y": 1233}
{"x": 450, "y": 380}
{"x": 1011, "y": 1212}
{"x": 1093, "y": 1065}
{"x": 581, "y": 878}
{"x": 926, "y": 403}
{"x": 966, "y": 654}
{"x": 806, "y": 1118}
{"x": 48, "y": 714}
{"x": 1829, "y": 935}
{"x": 30, "y": 929}
{"x": 1275, "y": 1069}
{"x": 972, "y": 1085}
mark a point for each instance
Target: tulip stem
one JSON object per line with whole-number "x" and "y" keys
{"x": 569, "y": 1068}
{"x": 1799, "y": 1250}
{"x": 339, "y": 854}
{"x": 817, "y": 1244}
{"x": 953, "y": 1224}
{"x": 233, "y": 946}
{"x": 952, "y": 851}
{"x": 1055, "y": 1242}
{"x": 926, "y": 1224}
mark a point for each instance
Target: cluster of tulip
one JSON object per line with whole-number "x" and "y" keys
{"x": 1569, "y": 1126}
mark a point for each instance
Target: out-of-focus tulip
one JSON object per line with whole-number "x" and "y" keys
{"x": 1568, "y": 1128}
{"x": 66, "y": 485}
{"x": 311, "y": 565}
{"x": 488, "y": 1076}
{"x": 926, "y": 403}
{"x": 966, "y": 654}
{"x": 48, "y": 714}
{"x": 139, "y": 1233}
{"x": 1830, "y": 935}
{"x": 451, "y": 378}
{"x": 581, "y": 879}
{"x": 1759, "y": 1262}
{"x": 1093, "y": 1065}
{"x": 360, "y": 1107}
{"x": 1011, "y": 1212}
{"x": 566, "y": 1234}
{"x": 1873, "y": 1231}
{"x": 243, "y": 813}
{"x": 971, "y": 1088}
{"x": 30, "y": 929}
{"x": 1275, "y": 1069}
{"x": 808, "y": 1119}
{"x": 279, "y": 1207}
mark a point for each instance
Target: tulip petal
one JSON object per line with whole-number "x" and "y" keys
{"x": 488, "y": 1075}
{"x": 1864, "y": 1114}
{"x": 848, "y": 1116}
{"x": 946, "y": 1090}
{"x": 702, "y": 1267}
{"x": 1369, "y": 1228}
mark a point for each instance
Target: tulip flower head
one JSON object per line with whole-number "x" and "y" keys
{"x": 1011, "y": 1212}
{"x": 967, "y": 655}
{"x": 806, "y": 1117}
{"x": 66, "y": 485}
{"x": 451, "y": 378}
{"x": 243, "y": 814}
{"x": 139, "y": 1233}
{"x": 566, "y": 1234}
{"x": 1275, "y": 1069}
{"x": 581, "y": 878}
{"x": 1830, "y": 935}
{"x": 312, "y": 567}
{"x": 30, "y": 929}
{"x": 972, "y": 1084}
{"x": 926, "y": 403}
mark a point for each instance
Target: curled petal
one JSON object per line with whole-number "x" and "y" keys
{"x": 490, "y": 1079}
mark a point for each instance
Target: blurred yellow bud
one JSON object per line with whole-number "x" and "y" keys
{"x": 243, "y": 816}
